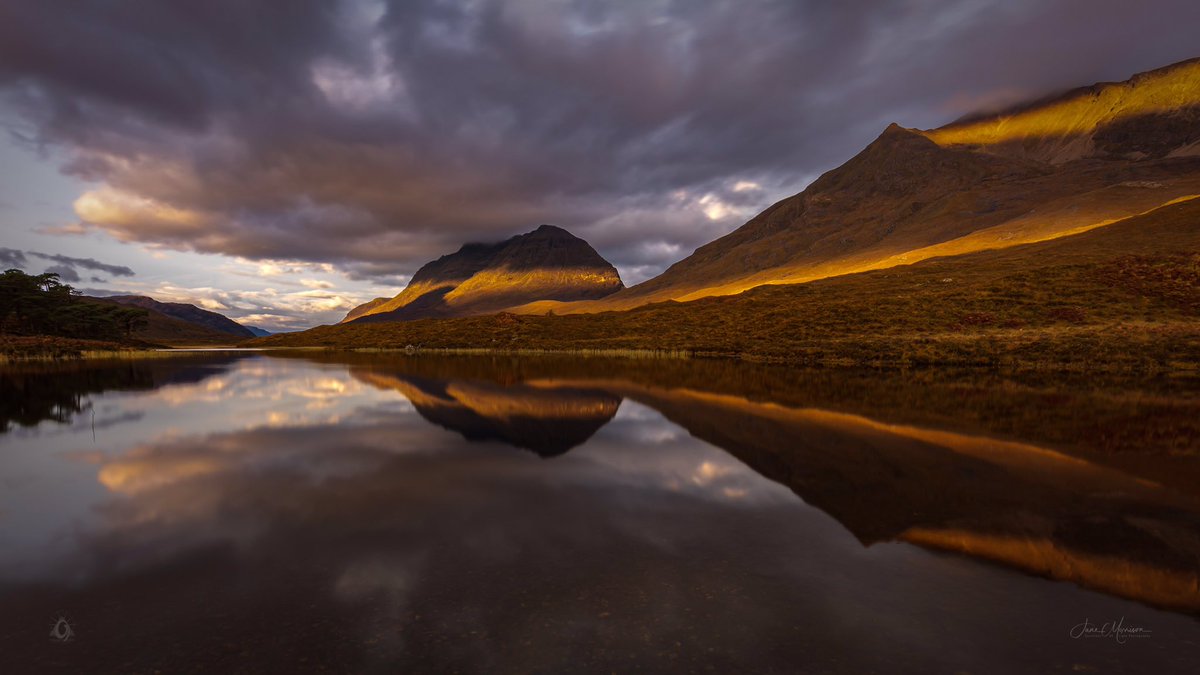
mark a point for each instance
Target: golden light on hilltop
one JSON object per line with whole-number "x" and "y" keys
{"x": 1082, "y": 113}
{"x": 486, "y": 284}
{"x": 1070, "y": 216}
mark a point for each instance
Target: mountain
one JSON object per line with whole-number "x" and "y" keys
{"x": 1124, "y": 295}
{"x": 546, "y": 264}
{"x": 364, "y": 309}
{"x": 189, "y": 313}
{"x": 1043, "y": 170}
{"x": 161, "y": 329}
{"x": 258, "y": 332}
{"x": 1071, "y": 242}
{"x": 1151, "y": 115}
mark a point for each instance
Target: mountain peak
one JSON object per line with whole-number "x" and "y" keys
{"x": 548, "y": 263}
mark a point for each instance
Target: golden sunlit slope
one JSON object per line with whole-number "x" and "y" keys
{"x": 364, "y": 308}
{"x": 1154, "y": 114}
{"x": 911, "y": 195}
{"x": 548, "y": 263}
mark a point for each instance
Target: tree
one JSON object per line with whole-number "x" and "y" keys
{"x": 42, "y": 305}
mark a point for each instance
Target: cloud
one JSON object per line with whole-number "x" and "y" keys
{"x": 64, "y": 272}
{"x": 64, "y": 267}
{"x": 274, "y": 309}
{"x": 11, "y": 257}
{"x": 85, "y": 263}
{"x": 377, "y": 136}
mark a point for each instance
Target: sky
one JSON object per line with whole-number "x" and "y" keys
{"x": 282, "y": 162}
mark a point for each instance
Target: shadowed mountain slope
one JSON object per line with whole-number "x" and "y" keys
{"x": 546, "y": 264}
{"x": 161, "y": 329}
{"x": 186, "y": 312}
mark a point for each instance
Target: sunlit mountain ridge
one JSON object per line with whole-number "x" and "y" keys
{"x": 1049, "y": 169}
{"x": 546, "y": 264}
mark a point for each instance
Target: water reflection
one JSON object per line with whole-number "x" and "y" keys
{"x": 547, "y": 420}
{"x": 292, "y": 513}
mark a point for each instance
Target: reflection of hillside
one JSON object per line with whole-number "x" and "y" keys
{"x": 30, "y": 394}
{"x": 1016, "y": 504}
{"x": 548, "y": 421}
{"x": 1148, "y": 427}
{"x": 1019, "y": 504}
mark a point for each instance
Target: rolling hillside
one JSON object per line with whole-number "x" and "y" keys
{"x": 164, "y": 330}
{"x": 188, "y": 313}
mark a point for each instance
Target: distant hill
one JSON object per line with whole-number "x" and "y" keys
{"x": 546, "y": 264}
{"x": 1047, "y": 169}
{"x": 189, "y": 313}
{"x": 162, "y": 329}
{"x": 258, "y": 332}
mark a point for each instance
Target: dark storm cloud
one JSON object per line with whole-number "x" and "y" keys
{"x": 85, "y": 263}
{"x": 64, "y": 273}
{"x": 380, "y": 136}
{"x": 12, "y": 258}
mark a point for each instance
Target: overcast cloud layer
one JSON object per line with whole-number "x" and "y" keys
{"x": 375, "y": 136}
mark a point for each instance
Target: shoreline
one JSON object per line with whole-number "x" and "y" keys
{"x": 977, "y": 361}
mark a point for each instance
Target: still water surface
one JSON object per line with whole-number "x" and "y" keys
{"x": 376, "y": 513}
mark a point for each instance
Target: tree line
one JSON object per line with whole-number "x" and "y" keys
{"x": 40, "y": 304}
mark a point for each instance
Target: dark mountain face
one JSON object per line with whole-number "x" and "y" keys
{"x": 546, "y": 264}
{"x": 186, "y": 312}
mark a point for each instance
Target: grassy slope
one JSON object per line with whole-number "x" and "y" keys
{"x": 160, "y": 331}
{"x": 163, "y": 330}
{"x": 1127, "y": 294}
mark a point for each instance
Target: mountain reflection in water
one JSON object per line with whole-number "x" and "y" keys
{"x": 251, "y": 512}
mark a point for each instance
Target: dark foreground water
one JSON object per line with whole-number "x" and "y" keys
{"x": 253, "y": 513}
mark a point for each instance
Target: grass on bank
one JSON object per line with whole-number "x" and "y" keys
{"x": 19, "y": 349}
